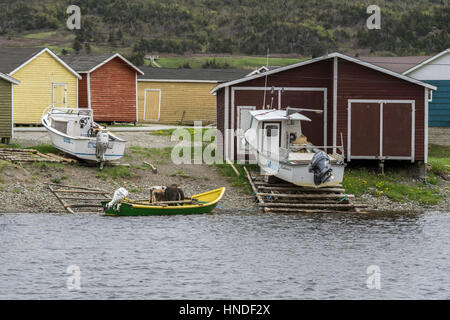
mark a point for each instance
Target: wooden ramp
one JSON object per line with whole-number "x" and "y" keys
{"x": 17, "y": 155}
{"x": 289, "y": 198}
{"x": 79, "y": 199}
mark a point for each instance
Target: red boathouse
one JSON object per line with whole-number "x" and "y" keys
{"x": 108, "y": 86}
{"x": 373, "y": 112}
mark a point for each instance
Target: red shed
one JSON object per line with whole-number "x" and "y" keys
{"x": 108, "y": 86}
{"x": 373, "y": 112}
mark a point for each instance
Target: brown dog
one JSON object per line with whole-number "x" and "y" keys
{"x": 157, "y": 194}
{"x": 174, "y": 193}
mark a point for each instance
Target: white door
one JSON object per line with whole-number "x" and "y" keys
{"x": 59, "y": 95}
{"x": 244, "y": 121}
{"x": 271, "y": 138}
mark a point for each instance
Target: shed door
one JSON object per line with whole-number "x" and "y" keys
{"x": 244, "y": 120}
{"x": 59, "y": 94}
{"x": 381, "y": 129}
{"x": 397, "y": 129}
{"x": 152, "y": 104}
{"x": 314, "y": 130}
{"x": 365, "y": 130}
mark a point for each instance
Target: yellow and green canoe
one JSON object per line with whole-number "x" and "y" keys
{"x": 202, "y": 203}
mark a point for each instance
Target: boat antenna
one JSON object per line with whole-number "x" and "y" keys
{"x": 265, "y": 82}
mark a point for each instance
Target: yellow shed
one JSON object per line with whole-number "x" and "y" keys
{"x": 175, "y": 96}
{"x": 45, "y": 80}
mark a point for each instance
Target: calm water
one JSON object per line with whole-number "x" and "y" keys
{"x": 223, "y": 255}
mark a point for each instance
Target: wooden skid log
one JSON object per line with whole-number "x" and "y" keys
{"x": 306, "y": 205}
{"x": 255, "y": 190}
{"x": 299, "y": 189}
{"x": 307, "y": 201}
{"x": 307, "y": 196}
{"x": 289, "y": 210}
{"x": 64, "y": 204}
{"x": 233, "y": 167}
{"x": 76, "y": 187}
{"x": 82, "y": 191}
{"x": 55, "y": 156}
{"x": 154, "y": 170}
{"x": 19, "y": 150}
{"x": 78, "y": 205}
{"x": 292, "y": 185}
{"x": 84, "y": 199}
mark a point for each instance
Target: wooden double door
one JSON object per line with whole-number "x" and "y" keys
{"x": 381, "y": 129}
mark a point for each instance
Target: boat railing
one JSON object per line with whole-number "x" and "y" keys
{"x": 57, "y": 110}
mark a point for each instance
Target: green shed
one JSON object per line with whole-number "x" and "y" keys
{"x": 6, "y": 107}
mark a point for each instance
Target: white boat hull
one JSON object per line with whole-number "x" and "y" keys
{"x": 83, "y": 147}
{"x": 298, "y": 174}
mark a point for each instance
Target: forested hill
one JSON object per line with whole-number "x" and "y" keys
{"x": 303, "y": 27}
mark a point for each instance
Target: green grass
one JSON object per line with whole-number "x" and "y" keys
{"x": 239, "y": 62}
{"x": 438, "y": 151}
{"x": 119, "y": 172}
{"x": 180, "y": 173}
{"x": 160, "y": 155}
{"x": 3, "y": 163}
{"x": 11, "y": 145}
{"x": 193, "y": 132}
{"x": 45, "y": 148}
{"x": 59, "y": 179}
{"x": 392, "y": 184}
{"x": 40, "y": 35}
{"x": 439, "y": 159}
{"x": 165, "y": 133}
{"x": 237, "y": 181}
{"x": 46, "y": 166}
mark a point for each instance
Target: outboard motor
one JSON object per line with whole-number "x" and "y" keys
{"x": 320, "y": 165}
{"x": 102, "y": 141}
{"x": 119, "y": 195}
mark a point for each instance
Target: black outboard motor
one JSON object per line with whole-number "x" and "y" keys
{"x": 320, "y": 165}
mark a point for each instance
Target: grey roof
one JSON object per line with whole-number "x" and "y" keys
{"x": 396, "y": 64}
{"x": 85, "y": 63}
{"x": 8, "y": 78}
{"x": 218, "y": 75}
{"x": 11, "y": 58}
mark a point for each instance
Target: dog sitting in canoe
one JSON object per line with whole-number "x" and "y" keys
{"x": 163, "y": 193}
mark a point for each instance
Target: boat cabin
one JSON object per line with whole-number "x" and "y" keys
{"x": 73, "y": 122}
{"x": 278, "y": 134}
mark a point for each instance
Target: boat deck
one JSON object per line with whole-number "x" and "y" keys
{"x": 306, "y": 157}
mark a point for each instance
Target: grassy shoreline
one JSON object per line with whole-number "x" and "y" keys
{"x": 399, "y": 183}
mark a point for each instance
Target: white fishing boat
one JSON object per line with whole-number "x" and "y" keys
{"x": 74, "y": 132}
{"x": 276, "y": 140}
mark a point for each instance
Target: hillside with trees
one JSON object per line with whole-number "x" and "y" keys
{"x": 238, "y": 27}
